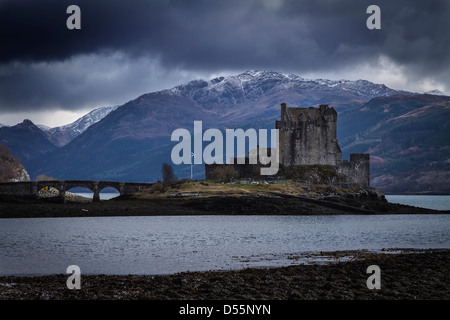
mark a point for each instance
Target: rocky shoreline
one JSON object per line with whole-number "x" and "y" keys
{"x": 69, "y": 196}
{"x": 411, "y": 275}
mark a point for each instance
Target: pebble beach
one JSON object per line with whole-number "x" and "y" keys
{"x": 410, "y": 275}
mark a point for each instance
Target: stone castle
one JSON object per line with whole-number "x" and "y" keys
{"x": 307, "y": 136}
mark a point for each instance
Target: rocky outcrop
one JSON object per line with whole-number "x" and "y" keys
{"x": 23, "y": 176}
{"x": 11, "y": 169}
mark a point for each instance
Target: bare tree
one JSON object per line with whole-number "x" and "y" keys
{"x": 224, "y": 173}
{"x": 168, "y": 176}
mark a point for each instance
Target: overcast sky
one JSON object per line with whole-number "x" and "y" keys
{"x": 53, "y": 75}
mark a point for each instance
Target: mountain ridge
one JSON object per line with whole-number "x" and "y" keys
{"x": 27, "y": 141}
{"x": 132, "y": 142}
{"x": 62, "y": 135}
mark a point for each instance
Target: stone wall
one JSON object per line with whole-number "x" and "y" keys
{"x": 242, "y": 166}
{"x": 18, "y": 188}
{"x": 358, "y": 168}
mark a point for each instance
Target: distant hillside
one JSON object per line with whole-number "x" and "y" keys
{"x": 26, "y": 141}
{"x": 408, "y": 139}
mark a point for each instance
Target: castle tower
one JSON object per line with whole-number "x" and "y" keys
{"x": 308, "y": 136}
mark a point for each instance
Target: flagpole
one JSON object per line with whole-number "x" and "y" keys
{"x": 192, "y": 176}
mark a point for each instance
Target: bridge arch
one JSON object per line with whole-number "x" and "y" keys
{"x": 48, "y": 189}
{"x": 79, "y": 191}
{"x": 91, "y": 185}
{"x": 108, "y": 192}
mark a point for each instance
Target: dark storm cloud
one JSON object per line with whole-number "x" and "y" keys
{"x": 207, "y": 34}
{"x": 224, "y": 33}
{"x": 296, "y": 35}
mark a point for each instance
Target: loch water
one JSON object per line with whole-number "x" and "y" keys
{"x": 170, "y": 244}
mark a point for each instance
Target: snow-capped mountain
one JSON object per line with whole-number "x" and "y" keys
{"x": 62, "y": 135}
{"x": 225, "y": 97}
{"x": 436, "y": 92}
{"x": 262, "y": 82}
{"x": 252, "y": 85}
{"x": 43, "y": 127}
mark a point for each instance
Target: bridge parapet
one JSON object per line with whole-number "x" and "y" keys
{"x": 18, "y": 188}
{"x": 31, "y": 188}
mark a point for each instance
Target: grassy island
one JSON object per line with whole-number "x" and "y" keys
{"x": 186, "y": 197}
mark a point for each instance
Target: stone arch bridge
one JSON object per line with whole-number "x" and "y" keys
{"x": 31, "y": 188}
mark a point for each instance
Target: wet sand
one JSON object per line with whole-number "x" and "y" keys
{"x": 413, "y": 275}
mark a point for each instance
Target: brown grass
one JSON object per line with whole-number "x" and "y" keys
{"x": 211, "y": 188}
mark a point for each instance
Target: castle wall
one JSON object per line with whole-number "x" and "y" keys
{"x": 244, "y": 170}
{"x": 358, "y": 168}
